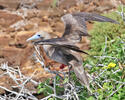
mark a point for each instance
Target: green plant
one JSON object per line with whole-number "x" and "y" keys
{"x": 108, "y": 59}
{"x": 107, "y": 64}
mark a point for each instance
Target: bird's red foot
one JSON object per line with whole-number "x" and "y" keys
{"x": 62, "y": 66}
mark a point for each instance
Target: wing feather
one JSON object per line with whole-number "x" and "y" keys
{"x": 75, "y": 24}
{"x": 94, "y": 17}
{"x": 59, "y": 44}
{"x": 74, "y": 27}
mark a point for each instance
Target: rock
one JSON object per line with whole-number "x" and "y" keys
{"x": 7, "y": 18}
{"x": 123, "y": 1}
{"x": 5, "y": 39}
{"x": 44, "y": 4}
{"x": 12, "y": 55}
{"x": 67, "y": 4}
{"x": 46, "y": 29}
{"x": 28, "y": 27}
{"x": 22, "y": 36}
{"x": 16, "y": 56}
{"x": 26, "y": 55}
{"x": 2, "y": 60}
{"x": 18, "y": 4}
{"x": 57, "y": 27}
{"x": 10, "y": 4}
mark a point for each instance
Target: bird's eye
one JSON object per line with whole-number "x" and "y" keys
{"x": 38, "y": 35}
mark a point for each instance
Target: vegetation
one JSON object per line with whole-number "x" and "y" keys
{"x": 107, "y": 59}
{"x": 106, "y": 65}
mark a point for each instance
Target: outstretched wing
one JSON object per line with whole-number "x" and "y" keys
{"x": 75, "y": 24}
{"x": 54, "y": 41}
{"x": 94, "y": 17}
{"x": 75, "y": 27}
{"x": 58, "y": 42}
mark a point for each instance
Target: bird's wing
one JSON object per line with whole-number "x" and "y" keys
{"x": 94, "y": 17}
{"x": 53, "y": 41}
{"x": 75, "y": 24}
{"x": 60, "y": 43}
{"x": 60, "y": 54}
{"x": 74, "y": 48}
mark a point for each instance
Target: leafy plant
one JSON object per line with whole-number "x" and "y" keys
{"x": 108, "y": 59}
{"x": 106, "y": 64}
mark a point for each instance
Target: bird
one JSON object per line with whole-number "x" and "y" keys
{"x": 63, "y": 49}
{"x": 75, "y": 28}
{"x": 66, "y": 55}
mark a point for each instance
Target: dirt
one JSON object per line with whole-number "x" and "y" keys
{"x": 20, "y": 19}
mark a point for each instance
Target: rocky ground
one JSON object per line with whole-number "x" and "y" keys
{"x": 20, "y": 19}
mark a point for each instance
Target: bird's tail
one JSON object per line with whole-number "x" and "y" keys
{"x": 82, "y": 76}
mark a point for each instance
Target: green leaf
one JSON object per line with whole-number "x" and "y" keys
{"x": 41, "y": 90}
{"x": 50, "y": 99}
{"x": 91, "y": 98}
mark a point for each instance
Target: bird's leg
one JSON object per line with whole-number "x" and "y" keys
{"x": 69, "y": 67}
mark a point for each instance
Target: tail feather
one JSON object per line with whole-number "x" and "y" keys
{"x": 81, "y": 75}
{"x": 77, "y": 66}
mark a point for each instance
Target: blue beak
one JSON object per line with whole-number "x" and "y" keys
{"x": 34, "y": 37}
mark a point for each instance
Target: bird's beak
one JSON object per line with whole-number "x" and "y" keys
{"x": 34, "y": 37}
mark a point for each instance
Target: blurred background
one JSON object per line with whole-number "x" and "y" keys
{"x": 20, "y": 19}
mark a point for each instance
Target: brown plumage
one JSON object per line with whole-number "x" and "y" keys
{"x": 67, "y": 55}
{"x": 63, "y": 49}
{"x": 75, "y": 28}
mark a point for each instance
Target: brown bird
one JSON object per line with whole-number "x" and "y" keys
{"x": 67, "y": 55}
{"x": 63, "y": 49}
{"x": 75, "y": 28}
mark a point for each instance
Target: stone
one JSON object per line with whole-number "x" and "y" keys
{"x": 7, "y": 18}
{"x": 5, "y": 39}
{"x": 12, "y": 55}
{"x": 57, "y": 27}
{"x": 10, "y": 4}
{"x": 22, "y": 36}
{"x": 44, "y": 5}
{"x": 16, "y": 56}
{"x": 123, "y": 1}
{"x": 26, "y": 55}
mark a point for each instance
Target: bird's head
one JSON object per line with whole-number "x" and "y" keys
{"x": 39, "y": 35}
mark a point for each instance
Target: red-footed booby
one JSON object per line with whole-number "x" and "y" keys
{"x": 63, "y": 49}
